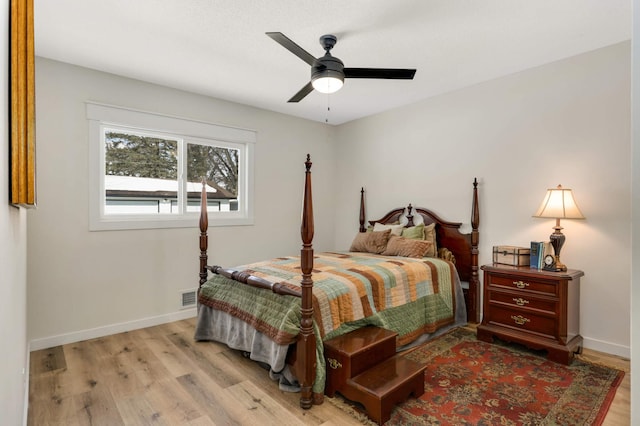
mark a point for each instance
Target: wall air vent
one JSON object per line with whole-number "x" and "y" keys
{"x": 188, "y": 298}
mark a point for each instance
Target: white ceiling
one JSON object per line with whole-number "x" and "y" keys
{"x": 219, "y": 47}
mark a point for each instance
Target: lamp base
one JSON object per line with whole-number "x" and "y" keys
{"x": 560, "y": 267}
{"x": 557, "y": 241}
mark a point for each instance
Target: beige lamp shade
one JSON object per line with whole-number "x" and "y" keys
{"x": 558, "y": 203}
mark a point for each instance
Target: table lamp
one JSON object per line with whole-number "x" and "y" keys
{"x": 559, "y": 204}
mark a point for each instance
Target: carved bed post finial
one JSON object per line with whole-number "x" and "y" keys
{"x": 204, "y": 240}
{"x": 362, "y": 215}
{"x": 474, "y": 284}
{"x": 308, "y": 164}
{"x": 306, "y": 347}
{"x": 409, "y": 216}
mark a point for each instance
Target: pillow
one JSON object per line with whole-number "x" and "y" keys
{"x": 370, "y": 242}
{"x": 414, "y": 232}
{"x": 395, "y": 229}
{"x": 370, "y": 228}
{"x": 430, "y": 235}
{"x": 421, "y": 232}
{"x": 401, "y": 246}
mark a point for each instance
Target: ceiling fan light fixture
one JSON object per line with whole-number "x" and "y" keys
{"x": 328, "y": 72}
{"x": 328, "y": 83}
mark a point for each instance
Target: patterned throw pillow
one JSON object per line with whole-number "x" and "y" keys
{"x": 370, "y": 242}
{"x": 401, "y": 246}
{"x": 421, "y": 232}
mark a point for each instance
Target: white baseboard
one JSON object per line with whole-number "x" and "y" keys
{"x": 607, "y": 347}
{"x": 77, "y": 336}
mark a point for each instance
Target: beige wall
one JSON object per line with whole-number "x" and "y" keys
{"x": 13, "y": 255}
{"x": 635, "y": 165}
{"x": 110, "y": 280}
{"x": 564, "y": 123}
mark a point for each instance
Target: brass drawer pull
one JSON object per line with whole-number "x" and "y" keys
{"x": 520, "y": 320}
{"x": 334, "y": 363}
{"x": 520, "y": 284}
{"x": 520, "y": 301}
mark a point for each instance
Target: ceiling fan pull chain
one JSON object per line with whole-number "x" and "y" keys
{"x": 326, "y": 120}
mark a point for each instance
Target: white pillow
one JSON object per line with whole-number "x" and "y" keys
{"x": 395, "y": 229}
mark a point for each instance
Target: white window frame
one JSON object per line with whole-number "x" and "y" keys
{"x": 102, "y": 116}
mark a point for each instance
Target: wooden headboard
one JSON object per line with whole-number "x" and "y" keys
{"x": 464, "y": 246}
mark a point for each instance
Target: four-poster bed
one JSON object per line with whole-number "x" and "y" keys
{"x": 417, "y": 296}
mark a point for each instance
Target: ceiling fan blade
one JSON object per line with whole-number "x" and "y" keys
{"x": 388, "y": 73}
{"x": 292, "y": 47}
{"x": 302, "y": 93}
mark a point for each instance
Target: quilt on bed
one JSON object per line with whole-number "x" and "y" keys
{"x": 409, "y": 296}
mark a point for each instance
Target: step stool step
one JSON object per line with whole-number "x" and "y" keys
{"x": 380, "y": 388}
{"x": 352, "y": 353}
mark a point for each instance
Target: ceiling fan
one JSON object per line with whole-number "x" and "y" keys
{"x": 328, "y": 72}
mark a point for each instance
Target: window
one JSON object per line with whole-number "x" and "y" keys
{"x": 147, "y": 170}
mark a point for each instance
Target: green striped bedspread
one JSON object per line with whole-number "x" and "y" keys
{"x": 351, "y": 290}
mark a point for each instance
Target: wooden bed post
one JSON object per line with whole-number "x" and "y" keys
{"x": 204, "y": 240}
{"x": 474, "y": 282}
{"x": 362, "y": 215}
{"x": 306, "y": 347}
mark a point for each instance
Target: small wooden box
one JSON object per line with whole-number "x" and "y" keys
{"x": 511, "y": 255}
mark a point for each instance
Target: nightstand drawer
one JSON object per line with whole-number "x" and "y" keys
{"x": 523, "y": 321}
{"x": 523, "y": 301}
{"x": 524, "y": 284}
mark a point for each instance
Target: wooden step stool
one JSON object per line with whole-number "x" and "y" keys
{"x": 363, "y": 366}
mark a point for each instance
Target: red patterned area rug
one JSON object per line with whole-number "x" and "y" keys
{"x": 469, "y": 382}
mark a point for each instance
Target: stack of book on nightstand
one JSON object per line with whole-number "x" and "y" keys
{"x": 539, "y": 249}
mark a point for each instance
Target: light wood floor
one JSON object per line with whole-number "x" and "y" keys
{"x": 161, "y": 376}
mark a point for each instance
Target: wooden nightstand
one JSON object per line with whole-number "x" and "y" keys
{"x": 538, "y": 309}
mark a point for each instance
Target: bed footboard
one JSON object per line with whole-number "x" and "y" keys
{"x": 304, "y": 357}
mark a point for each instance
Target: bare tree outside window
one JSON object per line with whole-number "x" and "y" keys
{"x": 218, "y": 165}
